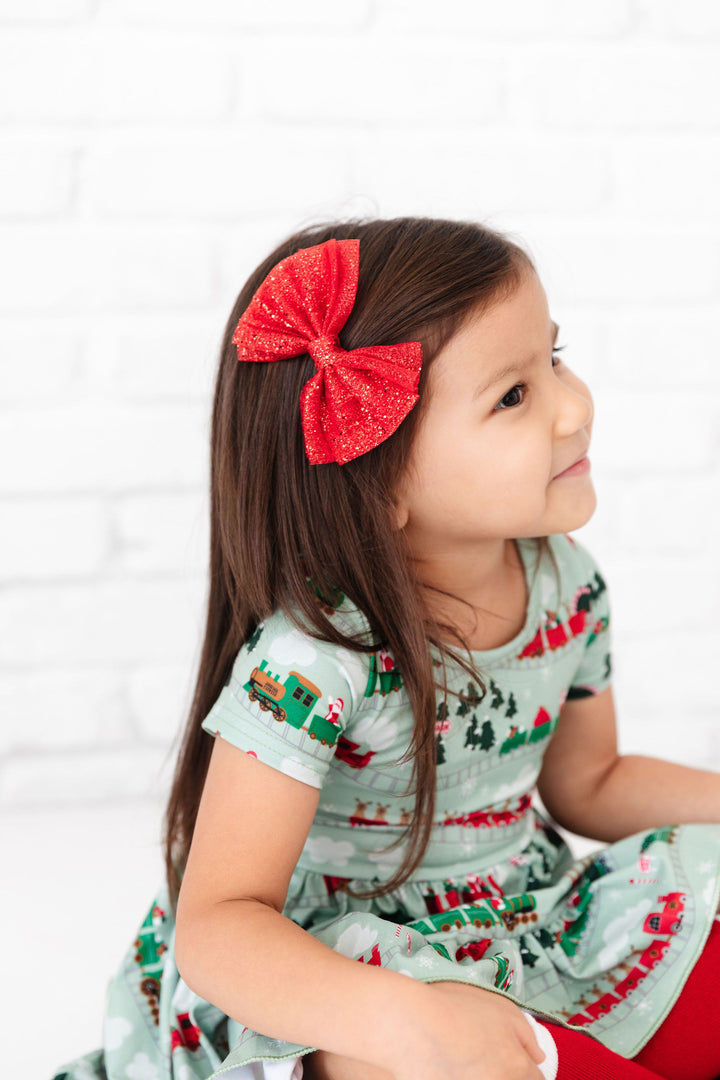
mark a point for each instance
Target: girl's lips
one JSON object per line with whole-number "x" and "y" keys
{"x": 580, "y": 467}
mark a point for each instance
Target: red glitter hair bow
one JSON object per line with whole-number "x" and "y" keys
{"x": 357, "y": 398}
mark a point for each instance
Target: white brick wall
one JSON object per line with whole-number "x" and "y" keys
{"x": 162, "y": 149}
{"x": 151, "y": 152}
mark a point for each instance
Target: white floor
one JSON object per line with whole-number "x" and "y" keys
{"x": 82, "y": 880}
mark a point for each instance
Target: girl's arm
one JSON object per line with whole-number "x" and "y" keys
{"x": 591, "y": 790}
{"x": 234, "y": 948}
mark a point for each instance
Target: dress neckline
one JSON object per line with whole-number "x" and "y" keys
{"x": 528, "y": 548}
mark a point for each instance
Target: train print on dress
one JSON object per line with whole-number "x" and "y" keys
{"x": 554, "y": 633}
{"x": 383, "y": 677}
{"x": 150, "y": 956}
{"x": 665, "y": 921}
{"x": 292, "y": 701}
{"x": 502, "y": 911}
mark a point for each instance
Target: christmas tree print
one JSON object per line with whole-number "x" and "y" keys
{"x": 512, "y": 706}
{"x": 527, "y": 956}
{"x": 545, "y": 938}
{"x": 487, "y": 736}
{"x": 536, "y": 881}
{"x": 497, "y": 698}
{"x": 533, "y": 882}
{"x": 598, "y": 587}
{"x": 468, "y": 700}
{"x": 442, "y": 725}
{"x": 254, "y": 637}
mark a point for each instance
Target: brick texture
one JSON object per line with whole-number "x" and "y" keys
{"x": 152, "y": 151}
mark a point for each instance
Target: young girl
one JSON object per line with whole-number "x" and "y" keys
{"x": 403, "y": 643}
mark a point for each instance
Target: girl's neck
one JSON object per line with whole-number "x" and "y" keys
{"x": 495, "y": 588}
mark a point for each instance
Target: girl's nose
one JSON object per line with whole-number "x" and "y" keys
{"x": 575, "y": 406}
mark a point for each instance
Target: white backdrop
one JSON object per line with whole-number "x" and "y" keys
{"x": 151, "y": 152}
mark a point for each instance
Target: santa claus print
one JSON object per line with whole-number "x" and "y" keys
{"x": 335, "y": 710}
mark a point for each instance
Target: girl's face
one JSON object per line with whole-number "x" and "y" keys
{"x": 506, "y": 417}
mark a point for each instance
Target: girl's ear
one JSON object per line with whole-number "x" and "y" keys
{"x": 401, "y": 517}
{"x": 401, "y": 506}
{"x": 401, "y": 513}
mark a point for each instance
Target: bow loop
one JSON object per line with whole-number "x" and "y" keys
{"x": 356, "y": 399}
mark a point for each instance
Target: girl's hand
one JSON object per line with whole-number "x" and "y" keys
{"x": 473, "y": 1034}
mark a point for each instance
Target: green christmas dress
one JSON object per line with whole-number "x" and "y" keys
{"x": 604, "y": 943}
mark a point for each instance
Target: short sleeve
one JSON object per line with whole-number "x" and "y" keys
{"x": 289, "y": 698}
{"x": 591, "y": 598}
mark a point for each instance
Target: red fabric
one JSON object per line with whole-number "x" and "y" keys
{"x": 582, "y": 1058}
{"x": 686, "y": 1046}
{"x": 357, "y": 398}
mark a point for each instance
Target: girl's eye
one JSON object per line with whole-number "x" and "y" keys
{"x": 514, "y": 401}
{"x": 504, "y": 403}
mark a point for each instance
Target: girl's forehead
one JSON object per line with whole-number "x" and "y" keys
{"x": 523, "y": 310}
{"x": 510, "y": 331}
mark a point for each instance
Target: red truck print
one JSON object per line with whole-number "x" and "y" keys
{"x": 669, "y": 920}
{"x": 188, "y": 1034}
{"x": 349, "y": 752}
{"x": 474, "y": 949}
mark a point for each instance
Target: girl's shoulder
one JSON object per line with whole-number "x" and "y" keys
{"x": 286, "y": 642}
{"x": 290, "y": 694}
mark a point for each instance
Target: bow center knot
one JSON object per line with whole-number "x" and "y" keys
{"x": 324, "y": 350}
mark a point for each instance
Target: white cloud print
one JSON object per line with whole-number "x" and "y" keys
{"x": 377, "y": 731}
{"x": 117, "y": 1029}
{"x": 387, "y": 861}
{"x": 519, "y": 784}
{"x": 292, "y": 648}
{"x": 616, "y": 934}
{"x": 141, "y": 1068}
{"x": 547, "y": 588}
{"x": 83, "y": 1071}
{"x": 323, "y": 849}
{"x": 353, "y": 665}
{"x": 356, "y": 940}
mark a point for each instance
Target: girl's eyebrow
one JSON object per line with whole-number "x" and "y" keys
{"x": 511, "y": 369}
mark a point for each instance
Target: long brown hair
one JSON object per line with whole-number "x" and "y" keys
{"x": 277, "y": 520}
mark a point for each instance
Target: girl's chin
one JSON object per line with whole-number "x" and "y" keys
{"x": 581, "y": 512}
{"x": 573, "y": 510}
